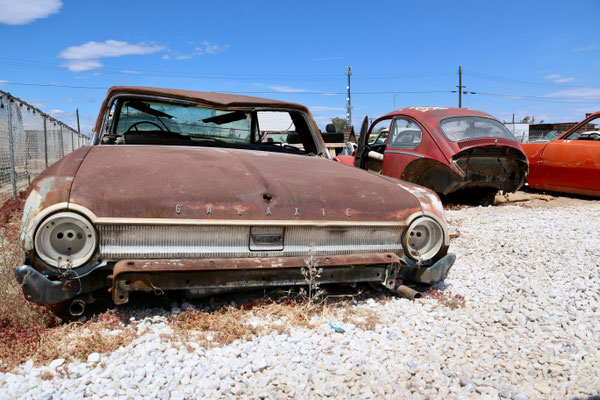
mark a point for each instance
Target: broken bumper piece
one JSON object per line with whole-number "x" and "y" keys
{"x": 160, "y": 275}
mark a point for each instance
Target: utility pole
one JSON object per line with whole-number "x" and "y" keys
{"x": 77, "y": 112}
{"x": 460, "y": 87}
{"x": 349, "y": 103}
{"x": 395, "y": 94}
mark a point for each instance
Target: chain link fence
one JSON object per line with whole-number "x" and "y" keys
{"x": 30, "y": 141}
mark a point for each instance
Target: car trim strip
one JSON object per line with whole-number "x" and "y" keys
{"x": 403, "y": 152}
{"x": 209, "y": 221}
{"x": 237, "y": 222}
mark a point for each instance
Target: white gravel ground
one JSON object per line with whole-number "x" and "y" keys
{"x": 530, "y": 330}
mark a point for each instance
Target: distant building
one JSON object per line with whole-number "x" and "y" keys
{"x": 521, "y": 132}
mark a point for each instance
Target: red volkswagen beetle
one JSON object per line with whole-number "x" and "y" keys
{"x": 449, "y": 150}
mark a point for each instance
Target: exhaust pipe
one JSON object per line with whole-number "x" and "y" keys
{"x": 407, "y": 292}
{"x": 77, "y": 307}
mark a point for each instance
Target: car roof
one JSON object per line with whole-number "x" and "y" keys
{"x": 434, "y": 114}
{"x": 211, "y": 99}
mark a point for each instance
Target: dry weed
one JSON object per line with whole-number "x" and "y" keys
{"x": 446, "y": 298}
{"x": 218, "y": 328}
{"x": 228, "y": 324}
{"x": 75, "y": 341}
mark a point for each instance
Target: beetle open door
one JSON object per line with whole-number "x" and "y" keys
{"x": 361, "y": 151}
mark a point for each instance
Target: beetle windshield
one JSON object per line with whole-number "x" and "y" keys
{"x": 461, "y": 128}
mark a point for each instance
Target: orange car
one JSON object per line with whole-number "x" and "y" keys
{"x": 570, "y": 163}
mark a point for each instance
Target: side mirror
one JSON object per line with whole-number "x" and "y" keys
{"x": 330, "y": 128}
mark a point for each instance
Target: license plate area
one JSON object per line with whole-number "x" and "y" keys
{"x": 266, "y": 238}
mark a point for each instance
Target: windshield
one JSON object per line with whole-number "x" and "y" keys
{"x": 141, "y": 121}
{"x": 461, "y": 128}
{"x": 190, "y": 121}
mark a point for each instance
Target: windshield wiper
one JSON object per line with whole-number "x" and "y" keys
{"x": 226, "y": 118}
{"x": 143, "y": 107}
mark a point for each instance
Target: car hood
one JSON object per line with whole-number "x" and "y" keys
{"x": 190, "y": 183}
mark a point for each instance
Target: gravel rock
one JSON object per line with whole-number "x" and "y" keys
{"x": 529, "y": 328}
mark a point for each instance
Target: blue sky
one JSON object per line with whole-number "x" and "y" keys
{"x": 522, "y": 57}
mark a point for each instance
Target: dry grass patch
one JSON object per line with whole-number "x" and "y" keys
{"x": 446, "y": 298}
{"x": 262, "y": 317}
{"x": 28, "y": 331}
{"x": 76, "y": 341}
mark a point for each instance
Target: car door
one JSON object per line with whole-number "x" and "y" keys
{"x": 403, "y": 146}
{"x": 573, "y": 162}
{"x": 371, "y": 144}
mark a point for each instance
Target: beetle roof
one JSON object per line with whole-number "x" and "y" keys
{"x": 211, "y": 99}
{"x": 434, "y": 114}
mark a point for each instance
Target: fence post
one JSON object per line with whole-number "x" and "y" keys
{"x": 13, "y": 173}
{"x": 62, "y": 142}
{"x": 45, "y": 142}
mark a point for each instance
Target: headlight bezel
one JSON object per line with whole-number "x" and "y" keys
{"x": 414, "y": 244}
{"x": 71, "y": 246}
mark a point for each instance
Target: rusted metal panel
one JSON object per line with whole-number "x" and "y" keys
{"x": 158, "y": 275}
{"x": 157, "y": 181}
{"x": 202, "y": 264}
{"x": 49, "y": 188}
{"x": 211, "y": 99}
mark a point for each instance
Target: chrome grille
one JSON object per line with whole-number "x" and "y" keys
{"x": 151, "y": 241}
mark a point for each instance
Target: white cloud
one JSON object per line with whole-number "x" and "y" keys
{"x": 108, "y": 48}
{"x": 563, "y": 80}
{"x": 286, "y": 89}
{"x": 82, "y": 65}
{"x": 19, "y": 12}
{"x": 211, "y": 48}
{"x": 38, "y": 103}
{"x": 87, "y": 56}
{"x": 580, "y": 93}
{"x": 61, "y": 114}
{"x": 559, "y": 78}
{"x": 205, "y": 47}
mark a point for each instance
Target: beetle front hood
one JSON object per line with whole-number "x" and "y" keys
{"x": 218, "y": 183}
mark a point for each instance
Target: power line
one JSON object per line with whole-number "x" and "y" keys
{"x": 58, "y": 85}
{"x": 548, "y": 99}
{"x": 51, "y": 85}
{"x": 220, "y": 76}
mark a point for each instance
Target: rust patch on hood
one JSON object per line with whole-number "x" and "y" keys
{"x": 217, "y": 183}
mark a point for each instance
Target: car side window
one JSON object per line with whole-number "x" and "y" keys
{"x": 405, "y": 133}
{"x": 589, "y": 131}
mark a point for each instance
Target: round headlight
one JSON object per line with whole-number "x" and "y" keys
{"x": 423, "y": 239}
{"x": 65, "y": 240}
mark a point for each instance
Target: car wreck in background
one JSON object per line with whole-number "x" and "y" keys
{"x": 449, "y": 150}
{"x": 184, "y": 190}
{"x": 570, "y": 163}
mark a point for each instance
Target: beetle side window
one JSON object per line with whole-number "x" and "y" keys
{"x": 405, "y": 133}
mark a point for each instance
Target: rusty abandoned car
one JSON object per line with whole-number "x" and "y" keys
{"x": 568, "y": 163}
{"x": 449, "y": 150}
{"x": 182, "y": 190}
